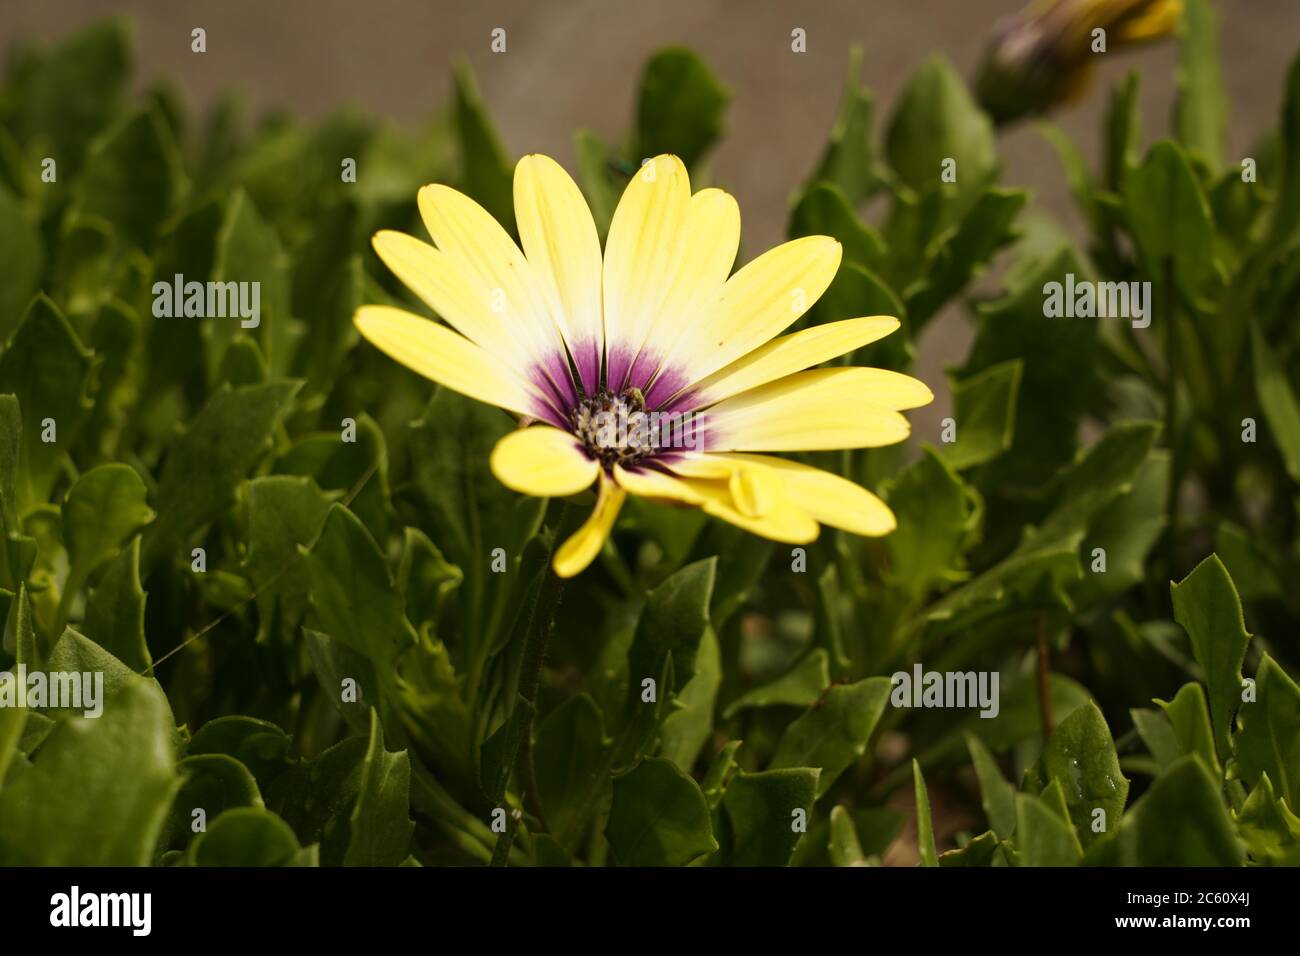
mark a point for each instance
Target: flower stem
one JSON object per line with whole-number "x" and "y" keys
{"x": 1171, "y": 417}
{"x": 537, "y": 633}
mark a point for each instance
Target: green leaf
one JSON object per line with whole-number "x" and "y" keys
{"x": 67, "y": 95}
{"x": 1157, "y": 733}
{"x": 594, "y": 173}
{"x": 800, "y": 686}
{"x": 1269, "y": 829}
{"x": 1121, "y": 132}
{"x": 1207, "y": 607}
{"x": 935, "y": 119}
{"x": 758, "y": 814}
{"x": 486, "y": 172}
{"x": 205, "y": 465}
{"x": 1126, "y": 529}
{"x": 46, "y": 367}
{"x": 259, "y": 745}
{"x": 982, "y": 851}
{"x": 249, "y": 250}
{"x": 570, "y": 755}
{"x": 213, "y": 784}
{"x": 849, "y": 160}
{"x": 658, "y": 817}
{"x": 353, "y": 591}
{"x": 132, "y": 178}
{"x": 245, "y": 836}
{"x": 1081, "y": 757}
{"x": 1286, "y": 211}
{"x": 1042, "y": 837}
{"x": 1268, "y": 740}
{"x": 823, "y": 210}
{"x": 381, "y": 826}
{"x": 115, "y": 611}
{"x": 963, "y": 250}
{"x": 104, "y": 509}
{"x": 1201, "y": 110}
{"x": 1180, "y": 821}
{"x": 984, "y": 408}
{"x": 845, "y": 848}
{"x": 679, "y": 108}
{"x": 22, "y": 252}
{"x": 1100, "y": 475}
{"x": 98, "y": 790}
{"x": 1060, "y": 380}
{"x": 924, "y": 824}
{"x": 1278, "y": 400}
{"x": 936, "y": 513}
{"x": 1169, "y": 216}
{"x": 686, "y": 730}
{"x": 833, "y": 733}
{"x": 284, "y": 512}
{"x": 997, "y": 795}
{"x": 668, "y": 635}
{"x": 1190, "y": 719}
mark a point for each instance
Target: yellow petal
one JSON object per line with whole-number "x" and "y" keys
{"x": 441, "y": 285}
{"x": 491, "y": 263}
{"x": 1156, "y": 20}
{"x": 650, "y": 483}
{"x": 759, "y": 302}
{"x": 641, "y": 255}
{"x": 820, "y": 409}
{"x": 585, "y": 543}
{"x": 792, "y": 353}
{"x": 712, "y": 237}
{"x": 782, "y": 522}
{"x": 543, "y": 461}
{"x": 830, "y": 499}
{"x": 560, "y": 240}
{"x": 438, "y": 353}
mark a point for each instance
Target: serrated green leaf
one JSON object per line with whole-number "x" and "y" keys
{"x": 1042, "y": 837}
{"x": 1169, "y": 216}
{"x": 114, "y": 616}
{"x": 46, "y": 368}
{"x": 1180, "y": 821}
{"x": 1268, "y": 740}
{"x": 381, "y": 826}
{"x": 759, "y": 812}
{"x": 833, "y": 733}
{"x": 658, "y": 817}
{"x": 132, "y": 178}
{"x": 570, "y": 756}
{"x": 1269, "y": 829}
{"x": 936, "y": 119}
{"x": 984, "y": 408}
{"x": 849, "y": 160}
{"x": 485, "y": 169}
{"x": 800, "y": 686}
{"x": 679, "y": 107}
{"x": 1207, "y": 607}
{"x": 205, "y": 465}
{"x": 98, "y": 791}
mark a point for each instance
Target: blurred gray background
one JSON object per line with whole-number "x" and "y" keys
{"x": 573, "y": 63}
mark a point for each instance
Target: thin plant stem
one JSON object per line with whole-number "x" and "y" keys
{"x": 537, "y": 633}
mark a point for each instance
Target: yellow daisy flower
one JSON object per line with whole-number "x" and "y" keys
{"x": 651, "y": 369}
